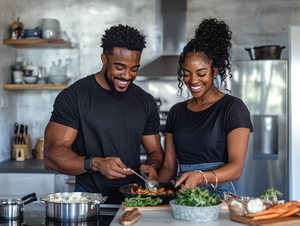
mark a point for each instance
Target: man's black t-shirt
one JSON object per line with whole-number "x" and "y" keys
{"x": 107, "y": 126}
{"x": 201, "y": 137}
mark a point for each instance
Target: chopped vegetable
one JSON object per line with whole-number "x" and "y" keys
{"x": 197, "y": 197}
{"x": 134, "y": 184}
{"x": 139, "y": 201}
{"x": 266, "y": 217}
{"x": 272, "y": 194}
{"x": 153, "y": 191}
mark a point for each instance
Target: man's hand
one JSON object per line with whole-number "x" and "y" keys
{"x": 110, "y": 167}
{"x": 149, "y": 171}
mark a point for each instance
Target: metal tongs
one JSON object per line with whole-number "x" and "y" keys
{"x": 149, "y": 182}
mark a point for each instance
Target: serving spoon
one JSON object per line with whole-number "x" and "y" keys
{"x": 149, "y": 182}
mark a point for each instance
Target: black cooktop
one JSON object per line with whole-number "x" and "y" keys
{"x": 34, "y": 215}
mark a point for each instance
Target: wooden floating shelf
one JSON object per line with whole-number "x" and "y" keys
{"x": 33, "y": 87}
{"x": 39, "y": 43}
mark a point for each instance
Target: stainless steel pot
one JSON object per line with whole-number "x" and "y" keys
{"x": 61, "y": 207}
{"x": 13, "y": 209}
{"x": 265, "y": 52}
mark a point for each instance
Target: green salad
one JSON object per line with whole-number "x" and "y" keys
{"x": 197, "y": 197}
{"x": 139, "y": 201}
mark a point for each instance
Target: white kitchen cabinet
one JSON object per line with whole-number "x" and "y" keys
{"x": 17, "y": 185}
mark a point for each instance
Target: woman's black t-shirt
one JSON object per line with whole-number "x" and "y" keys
{"x": 201, "y": 137}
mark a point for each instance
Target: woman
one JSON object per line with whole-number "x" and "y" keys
{"x": 206, "y": 136}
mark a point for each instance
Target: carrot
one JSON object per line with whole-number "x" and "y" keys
{"x": 291, "y": 212}
{"x": 251, "y": 215}
{"x": 135, "y": 184}
{"x": 295, "y": 203}
{"x": 287, "y": 204}
{"x": 282, "y": 211}
{"x": 268, "y": 211}
{"x": 266, "y": 217}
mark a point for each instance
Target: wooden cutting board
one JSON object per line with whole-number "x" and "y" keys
{"x": 291, "y": 220}
{"x": 158, "y": 207}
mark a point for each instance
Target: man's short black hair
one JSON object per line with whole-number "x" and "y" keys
{"x": 123, "y": 36}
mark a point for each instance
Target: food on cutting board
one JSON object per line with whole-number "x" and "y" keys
{"x": 239, "y": 206}
{"x": 139, "y": 201}
{"x": 153, "y": 191}
{"x": 279, "y": 211}
{"x": 271, "y": 195}
{"x": 197, "y": 197}
{"x": 255, "y": 206}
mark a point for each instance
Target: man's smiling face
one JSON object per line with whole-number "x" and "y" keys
{"x": 121, "y": 68}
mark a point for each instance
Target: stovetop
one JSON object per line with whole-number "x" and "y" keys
{"x": 34, "y": 215}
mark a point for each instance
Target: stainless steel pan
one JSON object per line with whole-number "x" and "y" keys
{"x": 13, "y": 209}
{"x": 60, "y": 207}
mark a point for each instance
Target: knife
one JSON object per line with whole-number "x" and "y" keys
{"x": 16, "y": 128}
{"x": 22, "y": 140}
{"x": 26, "y": 130}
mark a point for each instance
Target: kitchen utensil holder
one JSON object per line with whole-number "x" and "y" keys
{"x": 27, "y": 149}
{"x": 20, "y": 151}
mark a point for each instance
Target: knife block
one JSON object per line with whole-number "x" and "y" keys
{"x": 19, "y": 151}
{"x": 27, "y": 148}
{"x": 20, "y": 156}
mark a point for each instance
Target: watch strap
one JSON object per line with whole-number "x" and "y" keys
{"x": 88, "y": 163}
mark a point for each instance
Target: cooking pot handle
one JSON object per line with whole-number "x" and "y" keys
{"x": 102, "y": 200}
{"x": 247, "y": 49}
{"x": 282, "y": 47}
{"x": 32, "y": 199}
{"x": 28, "y": 196}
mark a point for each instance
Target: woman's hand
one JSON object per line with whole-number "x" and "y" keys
{"x": 191, "y": 179}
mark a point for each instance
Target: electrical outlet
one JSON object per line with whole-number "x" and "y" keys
{"x": 3, "y": 101}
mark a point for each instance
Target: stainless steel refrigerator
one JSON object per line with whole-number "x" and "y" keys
{"x": 263, "y": 86}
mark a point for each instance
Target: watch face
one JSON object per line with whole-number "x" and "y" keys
{"x": 88, "y": 163}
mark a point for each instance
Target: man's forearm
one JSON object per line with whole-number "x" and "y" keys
{"x": 155, "y": 159}
{"x": 63, "y": 160}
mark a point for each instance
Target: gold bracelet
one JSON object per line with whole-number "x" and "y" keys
{"x": 216, "y": 181}
{"x": 203, "y": 176}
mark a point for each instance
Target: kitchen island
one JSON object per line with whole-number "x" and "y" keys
{"x": 165, "y": 217}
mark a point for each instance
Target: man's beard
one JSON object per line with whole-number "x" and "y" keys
{"x": 115, "y": 92}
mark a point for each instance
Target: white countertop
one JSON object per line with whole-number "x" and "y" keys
{"x": 153, "y": 217}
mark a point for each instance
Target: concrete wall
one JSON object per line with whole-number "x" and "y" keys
{"x": 8, "y": 106}
{"x": 252, "y": 22}
{"x": 84, "y": 22}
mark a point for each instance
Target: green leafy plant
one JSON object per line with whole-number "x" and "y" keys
{"x": 139, "y": 201}
{"x": 271, "y": 195}
{"x": 197, "y": 197}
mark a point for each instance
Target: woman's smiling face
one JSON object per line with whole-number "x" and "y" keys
{"x": 198, "y": 75}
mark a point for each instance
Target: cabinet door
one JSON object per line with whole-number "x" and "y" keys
{"x": 21, "y": 184}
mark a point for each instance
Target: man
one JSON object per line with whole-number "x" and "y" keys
{"x": 99, "y": 122}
